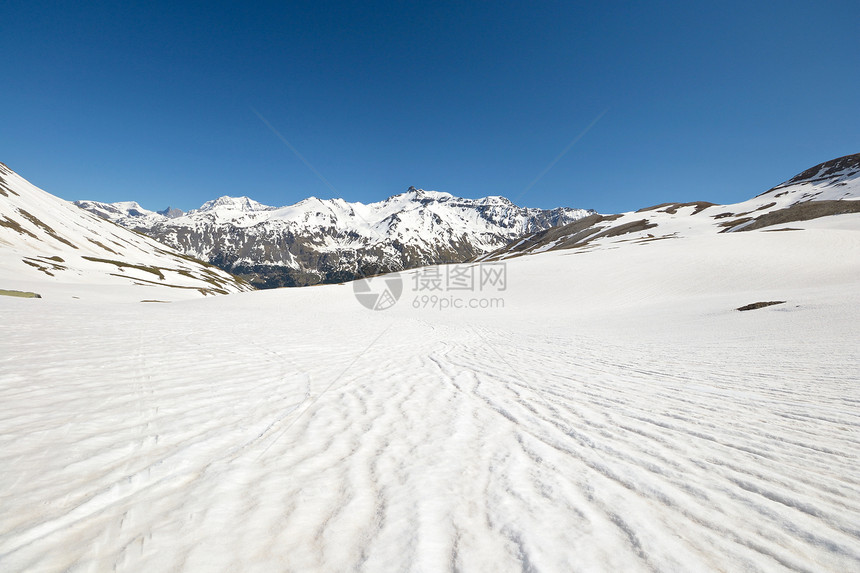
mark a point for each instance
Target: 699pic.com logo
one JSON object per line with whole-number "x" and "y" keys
{"x": 439, "y": 287}
{"x": 378, "y": 293}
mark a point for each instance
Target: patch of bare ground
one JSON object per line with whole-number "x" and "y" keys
{"x": 19, "y": 293}
{"x": 45, "y": 264}
{"x": 4, "y": 185}
{"x": 571, "y": 236}
{"x": 581, "y": 236}
{"x": 631, "y": 227}
{"x": 651, "y": 238}
{"x": 15, "y": 226}
{"x": 744, "y": 214}
{"x": 729, "y": 225}
{"x": 672, "y": 208}
{"x": 757, "y": 305}
{"x": 122, "y": 264}
{"x": 849, "y": 164}
{"x": 566, "y": 233}
{"x": 201, "y": 290}
{"x": 97, "y": 243}
{"x": 45, "y": 227}
{"x": 797, "y": 212}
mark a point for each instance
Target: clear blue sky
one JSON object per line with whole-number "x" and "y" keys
{"x": 703, "y": 100}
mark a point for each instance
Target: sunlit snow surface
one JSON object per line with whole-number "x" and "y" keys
{"x": 616, "y": 415}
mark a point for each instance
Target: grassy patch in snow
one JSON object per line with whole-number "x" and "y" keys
{"x": 795, "y": 213}
{"x": 19, "y": 294}
{"x": 121, "y": 264}
{"x": 45, "y": 227}
{"x": 97, "y": 243}
{"x": 45, "y": 264}
{"x": 15, "y": 226}
{"x": 202, "y": 290}
{"x": 672, "y": 208}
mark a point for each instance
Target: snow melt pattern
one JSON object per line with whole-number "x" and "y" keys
{"x": 171, "y": 437}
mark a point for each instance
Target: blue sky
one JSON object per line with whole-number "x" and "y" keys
{"x": 156, "y": 102}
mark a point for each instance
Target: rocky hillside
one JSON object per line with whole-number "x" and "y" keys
{"x": 829, "y": 189}
{"x": 46, "y": 242}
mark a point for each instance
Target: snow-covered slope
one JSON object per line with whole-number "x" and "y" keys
{"x": 828, "y": 190}
{"x": 616, "y": 414}
{"x": 49, "y": 245}
{"x": 319, "y": 240}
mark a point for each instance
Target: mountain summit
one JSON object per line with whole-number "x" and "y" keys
{"x": 233, "y": 203}
{"x": 835, "y": 172}
{"x": 332, "y": 240}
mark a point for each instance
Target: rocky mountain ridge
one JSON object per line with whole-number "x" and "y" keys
{"x": 332, "y": 240}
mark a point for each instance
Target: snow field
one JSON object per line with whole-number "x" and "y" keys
{"x": 617, "y": 414}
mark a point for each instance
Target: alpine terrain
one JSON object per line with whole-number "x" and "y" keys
{"x": 330, "y": 241}
{"x": 46, "y": 242}
{"x": 828, "y": 189}
{"x": 674, "y": 389}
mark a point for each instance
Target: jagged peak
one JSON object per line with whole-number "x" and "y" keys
{"x": 171, "y": 212}
{"x": 495, "y": 200}
{"x": 415, "y": 194}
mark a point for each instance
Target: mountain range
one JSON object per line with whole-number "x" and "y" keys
{"x": 332, "y": 240}
{"x": 313, "y": 241}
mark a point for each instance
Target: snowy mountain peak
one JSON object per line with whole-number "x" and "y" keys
{"x": 420, "y": 195}
{"x": 495, "y": 200}
{"x": 133, "y": 208}
{"x": 312, "y": 200}
{"x": 232, "y": 203}
{"x": 112, "y": 211}
{"x": 424, "y": 197}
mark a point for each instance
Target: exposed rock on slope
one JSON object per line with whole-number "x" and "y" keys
{"x": 828, "y": 189}
{"x": 44, "y": 239}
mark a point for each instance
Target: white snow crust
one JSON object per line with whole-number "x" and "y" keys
{"x": 618, "y": 414}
